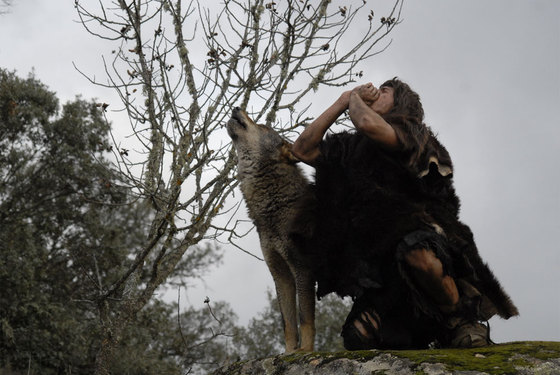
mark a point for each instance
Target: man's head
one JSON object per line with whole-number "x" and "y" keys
{"x": 385, "y": 102}
{"x": 406, "y": 102}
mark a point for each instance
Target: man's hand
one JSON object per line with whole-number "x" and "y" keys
{"x": 368, "y": 93}
{"x": 367, "y": 120}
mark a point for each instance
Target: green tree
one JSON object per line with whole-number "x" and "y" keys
{"x": 50, "y": 184}
{"x": 68, "y": 230}
{"x": 161, "y": 341}
{"x": 331, "y": 314}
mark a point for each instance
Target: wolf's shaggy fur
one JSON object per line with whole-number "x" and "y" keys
{"x": 271, "y": 184}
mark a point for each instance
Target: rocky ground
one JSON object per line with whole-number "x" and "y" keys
{"x": 532, "y": 357}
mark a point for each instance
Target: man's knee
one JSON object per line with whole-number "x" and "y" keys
{"x": 428, "y": 270}
{"x": 424, "y": 261}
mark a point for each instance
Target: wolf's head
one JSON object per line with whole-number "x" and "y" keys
{"x": 257, "y": 143}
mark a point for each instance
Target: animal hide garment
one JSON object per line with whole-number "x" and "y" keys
{"x": 369, "y": 202}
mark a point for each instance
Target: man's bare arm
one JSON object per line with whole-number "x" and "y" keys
{"x": 306, "y": 146}
{"x": 367, "y": 121}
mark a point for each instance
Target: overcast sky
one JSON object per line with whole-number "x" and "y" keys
{"x": 488, "y": 73}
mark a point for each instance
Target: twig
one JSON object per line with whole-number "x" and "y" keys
{"x": 207, "y": 302}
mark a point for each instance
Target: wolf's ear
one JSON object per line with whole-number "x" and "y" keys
{"x": 286, "y": 153}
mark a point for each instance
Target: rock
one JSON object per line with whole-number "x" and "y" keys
{"x": 524, "y": 358}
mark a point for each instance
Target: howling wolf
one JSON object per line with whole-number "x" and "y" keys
{"x": 272, "y": 186}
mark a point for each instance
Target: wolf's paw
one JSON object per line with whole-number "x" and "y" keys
{"x": 297, "y": 350}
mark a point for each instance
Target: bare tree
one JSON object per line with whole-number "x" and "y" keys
{"x": 179, "y": 70}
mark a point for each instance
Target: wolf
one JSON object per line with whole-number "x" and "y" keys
{"x": 272, "y": 185}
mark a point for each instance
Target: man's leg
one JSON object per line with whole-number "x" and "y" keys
{"x": 365, "y": 329}
{"x": 427, "y": 271}
{"x": 361, "y": 329}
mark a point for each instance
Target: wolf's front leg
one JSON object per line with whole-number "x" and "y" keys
{"x": 305, "y": 287}
{"x": 286, "y": 294}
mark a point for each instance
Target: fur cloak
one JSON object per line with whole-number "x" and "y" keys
{"x": 372, "y": 205}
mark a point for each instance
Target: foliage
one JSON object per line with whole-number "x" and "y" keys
{"x": 263, "y": 336}
{"x": 160, "y": 342}
{"x": 67, "y": 230}
{"x": 331, "y": 314}
{"x": 49, "y": 182}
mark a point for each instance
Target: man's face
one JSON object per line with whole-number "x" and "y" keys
{"x": 385, "y": 102}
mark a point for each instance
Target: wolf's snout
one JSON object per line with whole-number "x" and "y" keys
{"x": 236, "y": 124}
{"x": 239, "y": 117}
{"x": 236, "y": 113}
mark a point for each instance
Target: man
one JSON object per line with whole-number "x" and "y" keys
{"x": 387, "y": 231}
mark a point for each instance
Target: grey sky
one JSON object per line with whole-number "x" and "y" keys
{"x": 488, "y": 73}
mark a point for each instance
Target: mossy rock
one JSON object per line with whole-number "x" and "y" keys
{"x": 533, "y": 357}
